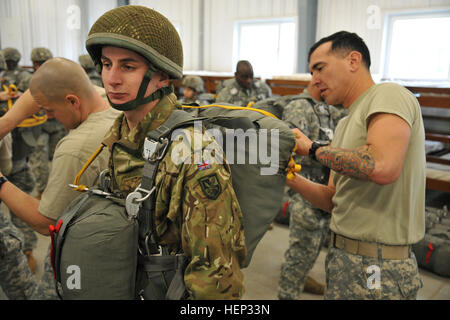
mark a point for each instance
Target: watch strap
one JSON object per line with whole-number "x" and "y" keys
{"x": 3, "y": 179}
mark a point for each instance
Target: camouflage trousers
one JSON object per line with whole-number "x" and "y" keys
{"x": 24, "y": 180}
{"x": 46, "y": 287}
{"x": 308, "y": 228}
{"x": 356, "y": 277}
{"x": 16, "y": 279}
{"x": 38, "y": 161}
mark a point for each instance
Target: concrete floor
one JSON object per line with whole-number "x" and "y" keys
{"x": 261, "y": 277}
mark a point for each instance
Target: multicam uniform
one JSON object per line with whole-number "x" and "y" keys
{"x": 196, "y": 208}
{"x": 232, "y": 92}
{"x": 308, "y": 226}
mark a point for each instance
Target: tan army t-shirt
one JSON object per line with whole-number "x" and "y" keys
{"x": 391, "y": 214}
{"x": 72, "y": 152}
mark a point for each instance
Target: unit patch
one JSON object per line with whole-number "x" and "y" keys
{"x": 210, "y": 186}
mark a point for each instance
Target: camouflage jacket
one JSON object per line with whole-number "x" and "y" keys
{"x": 19, "y": 77}
{"x": 317, "y": 121}
{"x": 232, "y": 92}
{"x": 196, "y": 208}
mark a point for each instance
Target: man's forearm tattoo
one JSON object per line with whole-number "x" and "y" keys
{"x": 357, "y": 163}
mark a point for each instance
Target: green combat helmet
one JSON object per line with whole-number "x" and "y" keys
{"x": 86, "y": 62}
{"x": 12, "y": 54}
{"x": 194, "y": 82}
{"x": 146, "y": 32}
{"x": 41, "y": 55}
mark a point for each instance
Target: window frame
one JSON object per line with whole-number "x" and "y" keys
{"x": 390, "y": 19}
{"x": 238, "y": 24}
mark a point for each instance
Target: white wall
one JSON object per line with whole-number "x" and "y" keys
{"x": 220, "y": 16}
{"x": 352, "y": 15}
{"x": 25, "y": 24}
{"x": 55, "y": 24}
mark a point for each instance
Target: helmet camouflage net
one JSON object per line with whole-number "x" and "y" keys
{"x": 41, "y": 55}
{"x": 142, "y": 30}
{"x": 194, "y": 82}
{"x": 12, "y": 54}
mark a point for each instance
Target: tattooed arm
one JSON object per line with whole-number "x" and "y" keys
{"x": 380, "y": 160}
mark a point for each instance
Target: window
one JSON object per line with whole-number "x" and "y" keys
{"x": 417, "y": 46}
{"x": 269, "y": 45}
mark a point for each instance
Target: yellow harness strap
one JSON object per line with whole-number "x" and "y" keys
{"x": 29, "y": 122}
{"x": 82, "y": 187}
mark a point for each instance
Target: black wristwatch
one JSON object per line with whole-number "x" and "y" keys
{"x": 316, "y": 145}
{"x": 3, "y": 179}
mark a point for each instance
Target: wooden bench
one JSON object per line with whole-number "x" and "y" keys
{"x": 284, "y": 87}
{"x": 434, "y": 102}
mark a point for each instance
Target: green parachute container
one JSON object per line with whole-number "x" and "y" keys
{"x": 95, "y": 250}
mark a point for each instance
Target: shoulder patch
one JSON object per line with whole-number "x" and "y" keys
{"x": 210, "y": 186}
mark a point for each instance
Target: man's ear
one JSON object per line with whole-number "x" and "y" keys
{"x": 163, "y": 81}
{"x": 355, "y": 59}
{"x": 73, "y": 101}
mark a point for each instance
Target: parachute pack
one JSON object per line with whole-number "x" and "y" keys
{"x": 104, "y": 247}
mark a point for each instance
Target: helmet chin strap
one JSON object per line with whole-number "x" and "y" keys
{"x": 140, "y": 99}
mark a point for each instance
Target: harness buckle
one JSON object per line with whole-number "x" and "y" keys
{"x": 155, "y": 150}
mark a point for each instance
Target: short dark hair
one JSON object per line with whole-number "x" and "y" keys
{"x": 243, "y": 63}
{"x": 345, "y": 41}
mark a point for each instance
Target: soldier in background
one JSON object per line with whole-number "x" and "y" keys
{"x": 88, "y": 66}
{"x": 23, "y": 145}
{"x": 16, "y": 278}
{"x": 308, "y": 226}
{"x": 14, "y": 74}
{"x": 243, "y": 89}
{"x": 194, "y": 94}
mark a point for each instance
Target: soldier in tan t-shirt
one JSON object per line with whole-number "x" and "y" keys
{"x": 63, "y": 89}
{"x": 376, "y": 190}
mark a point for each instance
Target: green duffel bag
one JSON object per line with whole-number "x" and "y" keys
{"x": 433, "y": 251}
{"x": 94, "y": 250}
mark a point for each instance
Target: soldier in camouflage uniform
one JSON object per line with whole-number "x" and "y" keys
{"x": 243, "y": 89}
{"x": 193, "y": 86}
{"x": 51, "y": 132}
{"x": 308, "y": 226}
{"x": 24, "y": 143}
{"x": 16, "y": 278}
{"x": 88, "y": 66}
{"x": 194, "y": 94}
{"x": 196, "y": 209}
